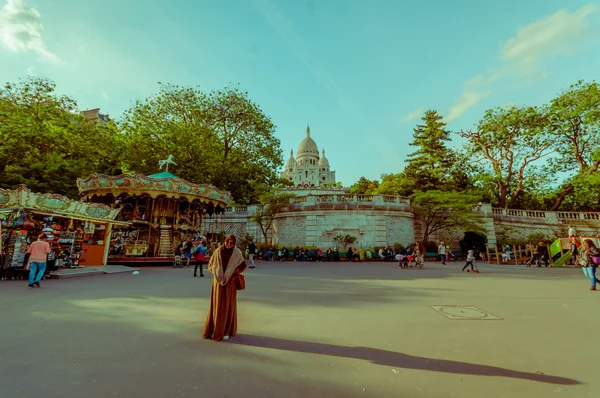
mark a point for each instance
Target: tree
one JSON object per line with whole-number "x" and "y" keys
{"x": 271, "y": 202}
{"x": 331, "y": 185}
{"x": 394, "y": 184}
{"x": 46, "y": 143}
{"x": 364, "y": 186}
{"x": 510, "y": 141}
{"x": 344, "y": 239}
{"x": 427, "y": 167}
{"x": 575, "y": 128}
{"x": 221, "y": 138}
{"x": 446, "y": 210}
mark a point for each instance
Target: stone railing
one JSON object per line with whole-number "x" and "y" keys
{"x": 382, "y": 200}
{"x": 539, "y": 214}
{"x": 237, "y": 209}
{"x": 349, "y": 198}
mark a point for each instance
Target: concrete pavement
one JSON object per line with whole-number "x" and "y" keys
{"x": 306, "y": 329}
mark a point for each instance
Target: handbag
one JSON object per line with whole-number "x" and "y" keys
{"x": 240, "y": 282}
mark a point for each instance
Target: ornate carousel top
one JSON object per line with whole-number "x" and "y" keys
{"x": 54, "y": 204}
{"x": 155, "y": 185}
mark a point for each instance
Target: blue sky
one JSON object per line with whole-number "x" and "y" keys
{"x": 360, "y": 73}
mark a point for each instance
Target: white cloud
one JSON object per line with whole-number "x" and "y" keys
{"x": 21, "y": 30}
{"x": 413, "y": 115}
{"x": 522, "y": 55}
{"x": 104, "y": 95}
{"x": 466, "y": 101}
{"x": 31, "y": 71}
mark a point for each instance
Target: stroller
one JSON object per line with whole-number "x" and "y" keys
{"x": 177, "y": 261}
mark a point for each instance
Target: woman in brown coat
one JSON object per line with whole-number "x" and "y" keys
{"x": 225, "y": 264}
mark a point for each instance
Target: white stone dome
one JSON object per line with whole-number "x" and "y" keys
{"x": 323, "y": 162}
{"x": 308, "y": 146}
{"x": 291, "y": 161}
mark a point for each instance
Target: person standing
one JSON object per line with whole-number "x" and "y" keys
{"x": 572, "y": 232}
{"x": 586, "y": 259}
{"x": 38, "y": 254}
{"x": 226, "y": 263}
{"x": 419, "y": 255}
{"x": 201, "y": 251}
{"x": 543, "y": 255}
{"x": 442, "y": 252}
{"x": 251, "y": 253}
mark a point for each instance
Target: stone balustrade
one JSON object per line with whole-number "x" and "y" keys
{"x": 551, "y": 215}
{"x": 385, "y": 200}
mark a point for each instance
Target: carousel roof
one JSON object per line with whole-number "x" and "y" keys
{"x": 55, "y": 205}
{"x": 155, "y": 185}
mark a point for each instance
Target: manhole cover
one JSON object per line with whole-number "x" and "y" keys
{"x": 462, "y": 312}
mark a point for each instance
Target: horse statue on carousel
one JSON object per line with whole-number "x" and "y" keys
{"x": 166, "y": 162}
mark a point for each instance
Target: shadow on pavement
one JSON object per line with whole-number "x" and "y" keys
{"x": 396, "y": 359}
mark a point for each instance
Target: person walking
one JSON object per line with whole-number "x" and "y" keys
{"x": 543, "y": 255}
{"x": 38, "y": 254}
{"x": 586, "y": 259}
{"x": 419, "y": 255}
{"x": 470, "y": 261}
{"x": 226, "y": 264}
{"x": 251, "y": 253}
{"x": 442, "y": 252}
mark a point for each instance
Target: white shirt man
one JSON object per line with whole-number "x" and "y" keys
{"x": 442, "y": 252}
{"x": 572, "y": 231}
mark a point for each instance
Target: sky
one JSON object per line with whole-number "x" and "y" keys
{"x": 360, "y": 73}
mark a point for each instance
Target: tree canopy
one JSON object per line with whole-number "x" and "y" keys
{"x": 47, "y": 144}
{"x": 221, "y": 137}
{"x": 543, "y": 157}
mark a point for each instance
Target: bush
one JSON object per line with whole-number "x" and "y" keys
{"x": 430, "y": 246}
{"x": 399, "y": 247}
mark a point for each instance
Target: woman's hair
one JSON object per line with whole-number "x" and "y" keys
{"x": 590, "y": 243}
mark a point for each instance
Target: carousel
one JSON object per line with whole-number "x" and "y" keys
{"x": 161, "y": 210}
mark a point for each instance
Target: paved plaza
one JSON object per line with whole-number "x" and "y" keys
{"x": 306, "y": 330}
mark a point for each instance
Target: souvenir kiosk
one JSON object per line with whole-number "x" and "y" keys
{"x": 78, "y": 232}
{"x": 161, "y": 210}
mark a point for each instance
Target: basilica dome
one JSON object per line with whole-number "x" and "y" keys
{"x": 308, "y": 146}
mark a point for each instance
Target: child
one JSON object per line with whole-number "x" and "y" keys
{"x": 409, "y": 256}
{"x": 471, "y": 262}
{"x": 399, "y": 258}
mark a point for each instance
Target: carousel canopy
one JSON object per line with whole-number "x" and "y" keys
{"x": 155, "y": 185}
{"x": 56, "y": 205}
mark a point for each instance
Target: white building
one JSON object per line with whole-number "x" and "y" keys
{"x": 308, "y": 169}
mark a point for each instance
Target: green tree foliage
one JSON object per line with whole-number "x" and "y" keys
{"x": 47, "y": 144}
{"x": 344, "y": 239}
{"x": 445, "y": 211}
{"x": 427, "y": 167}
{"x": 222, "y": 138}
{"x": 364, "y": 186}
{"x": 575, "y": 131}
{"x": 509, "y": 142}
{"x": 270, "y": 203}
